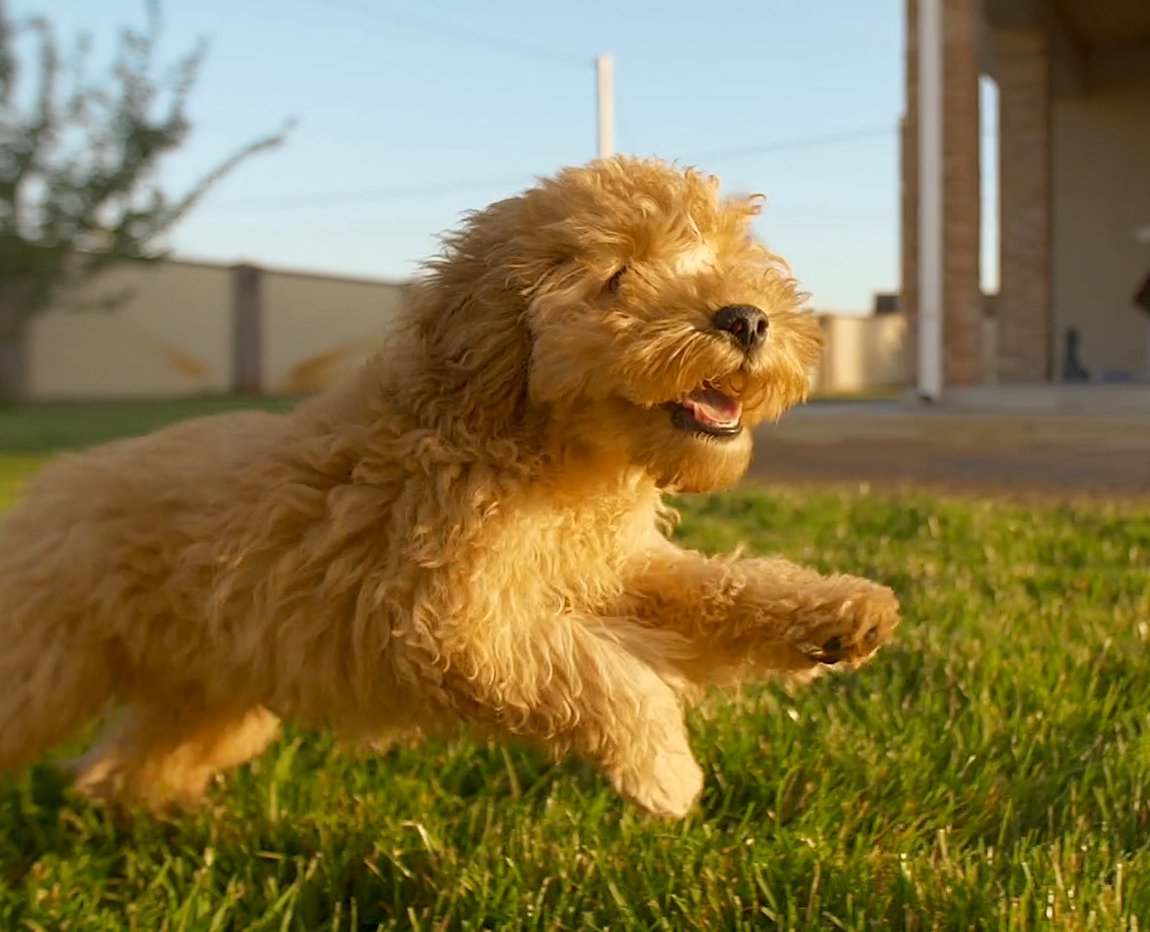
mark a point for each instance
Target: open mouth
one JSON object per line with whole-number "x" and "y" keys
{"x": 709, "y": 411}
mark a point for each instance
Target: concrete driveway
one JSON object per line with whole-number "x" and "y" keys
{"x": 1013, "y": 454}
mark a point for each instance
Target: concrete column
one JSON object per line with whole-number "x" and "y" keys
{"x": 247, "y": 329}
{"x": 1022, "y": 70}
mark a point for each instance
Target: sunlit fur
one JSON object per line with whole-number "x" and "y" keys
{"x": 470, "y": 530}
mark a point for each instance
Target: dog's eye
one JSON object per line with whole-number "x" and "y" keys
{"x": 614, "y": 280}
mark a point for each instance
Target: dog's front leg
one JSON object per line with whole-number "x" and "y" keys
{"x": 738, "y": 617}
{"x": 569, "y": 685}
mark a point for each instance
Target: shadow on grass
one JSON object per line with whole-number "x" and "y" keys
{"x": 356, "y": 861}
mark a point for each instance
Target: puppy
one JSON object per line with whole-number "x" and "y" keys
{"x": 470, "y": 530}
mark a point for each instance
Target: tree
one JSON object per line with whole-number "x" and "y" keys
{"x": 78, "y": 166}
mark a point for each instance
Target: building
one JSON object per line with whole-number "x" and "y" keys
{"x": 1073, "y": 83}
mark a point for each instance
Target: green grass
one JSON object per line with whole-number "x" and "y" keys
{"x": 991, "y": 769}
{"x": 50, "y": 427}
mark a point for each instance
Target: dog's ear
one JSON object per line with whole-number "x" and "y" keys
{"x": 475, "y": 357}
{"x": 470, "y": 319}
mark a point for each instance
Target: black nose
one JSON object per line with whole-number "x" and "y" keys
{"x": 747, "y": 324}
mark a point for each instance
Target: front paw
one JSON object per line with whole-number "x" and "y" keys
{"x": 848, "y": 629}
{"x": 667, "y": 785}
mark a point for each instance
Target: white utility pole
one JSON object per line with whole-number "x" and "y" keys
{"x": 930, "y": 216}
{"x": 605, "y": 85}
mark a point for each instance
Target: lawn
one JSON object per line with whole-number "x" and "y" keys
{"x": 991, "y": 768}
{"x": 47, "y": 428}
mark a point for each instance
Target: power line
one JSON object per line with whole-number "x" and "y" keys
{"x": 438, "y": 28}
{"x": 824, "y": 212}
{"x": 805, "y": 142}
{"x": 344, "y": 198}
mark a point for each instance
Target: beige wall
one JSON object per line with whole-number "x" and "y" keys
{"x": 317, "y": 329}
{"x": 1101, "y": 194}
{"x": 167, "y": 334}
{"x": 861, "y": 353}
{"x": 170, "y": 331}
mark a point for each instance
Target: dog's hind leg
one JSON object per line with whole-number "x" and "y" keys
{"x": 169, "y": 755}
{"x": 48, "y": 690}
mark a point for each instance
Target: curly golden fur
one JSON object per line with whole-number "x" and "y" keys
{"x": 469, "y": 530}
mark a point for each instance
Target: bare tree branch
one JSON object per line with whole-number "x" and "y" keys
{"x": 78, "y": 164}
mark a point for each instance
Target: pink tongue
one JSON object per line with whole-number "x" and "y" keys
{"x": 711, "y": 406}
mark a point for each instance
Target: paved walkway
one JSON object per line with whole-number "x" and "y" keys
{"x": 1018, "y": 455}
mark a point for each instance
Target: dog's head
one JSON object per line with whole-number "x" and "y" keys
{"x": 628, "y": 306}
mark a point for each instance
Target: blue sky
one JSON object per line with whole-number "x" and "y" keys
{"x": 409, "y": 113}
